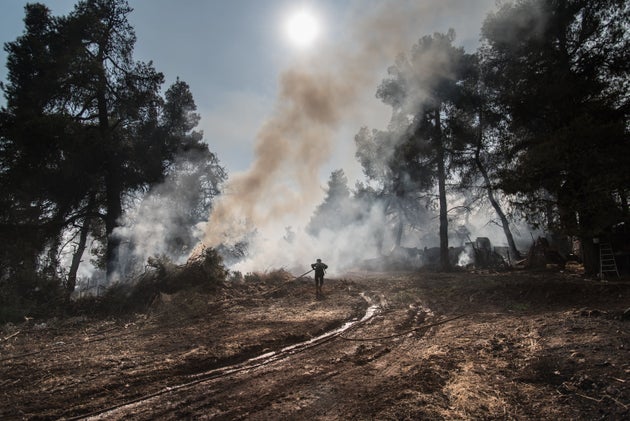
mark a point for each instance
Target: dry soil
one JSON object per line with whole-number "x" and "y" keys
{"x": 519, "y": 345}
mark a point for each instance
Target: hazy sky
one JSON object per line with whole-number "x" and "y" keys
{"x": 232, "y": 53}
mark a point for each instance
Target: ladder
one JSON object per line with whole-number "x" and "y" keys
{"x": 607, "y": 262}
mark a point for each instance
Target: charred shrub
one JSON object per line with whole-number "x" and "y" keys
{"x": 205, "y": 274}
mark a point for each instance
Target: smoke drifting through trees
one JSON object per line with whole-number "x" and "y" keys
{"x": 539, "y": 113}
{"x": 165, "y": 221}
{"x": 315, "y": 98}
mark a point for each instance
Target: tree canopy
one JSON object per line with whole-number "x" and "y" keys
{"x": 85, "y": 128}
{"x": 559, "y": 70}
{"x": 536, "y": 118}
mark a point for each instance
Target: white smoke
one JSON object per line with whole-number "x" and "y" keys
{"x": 165, "y": 221}
{"x": 466, "y": 257}
{"x": 340, "y": 249}
{"x": 322, "y": 103}
{"x": 317, "y": 99}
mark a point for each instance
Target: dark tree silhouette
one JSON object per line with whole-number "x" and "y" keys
{"x": 480, "y": 124}
{"x": 390, "y": 161}
{"x": 559, "y": 69}
{"x": 85, "y": 126}
{"x": 424, "y": 89}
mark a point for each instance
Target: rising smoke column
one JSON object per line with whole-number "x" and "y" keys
{"x": 290, "y": 149}
{"x": 315, "y": 99}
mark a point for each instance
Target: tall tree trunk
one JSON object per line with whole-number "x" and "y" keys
{"x": 505, "y": 224}
{"x": 445, "y": 263}
{"x": 497, "y": 207}
{"x": 54, "y": 232}
{"x": 400, "y": 227}
{"x": 114, "y": 211}
{"x": 590, "y": 256}
{"x": 113, "y": 185}
{"x": 586, "y": 217}
{"x": 78, "y": 253}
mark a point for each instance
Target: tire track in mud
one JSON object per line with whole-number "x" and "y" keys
{"x": 250, "y": 364}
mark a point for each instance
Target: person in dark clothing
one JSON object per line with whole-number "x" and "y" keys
{"x": 320, "y": 269}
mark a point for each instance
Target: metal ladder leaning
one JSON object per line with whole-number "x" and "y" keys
{"x": 607, "y": 262}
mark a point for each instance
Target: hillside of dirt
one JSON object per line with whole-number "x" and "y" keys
{"x": 544, "y": 345}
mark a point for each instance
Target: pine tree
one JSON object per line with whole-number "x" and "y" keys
{"x": 559, "y": 70}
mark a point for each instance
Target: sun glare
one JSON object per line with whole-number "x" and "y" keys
{"x": 302, "y": 28}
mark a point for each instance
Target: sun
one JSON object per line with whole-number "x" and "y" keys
{"x": 302, "y": 28}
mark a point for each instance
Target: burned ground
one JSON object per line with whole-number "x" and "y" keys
{"x": 512, "y": 345}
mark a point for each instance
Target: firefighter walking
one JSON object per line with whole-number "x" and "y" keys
{"x": 320, "y": 269}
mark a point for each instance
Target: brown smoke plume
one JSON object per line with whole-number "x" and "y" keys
{"x": 290, "y": 149}
{"x": 315, "y": 99}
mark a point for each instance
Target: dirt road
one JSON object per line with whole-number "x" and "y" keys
{"x": 512, "y": 345}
